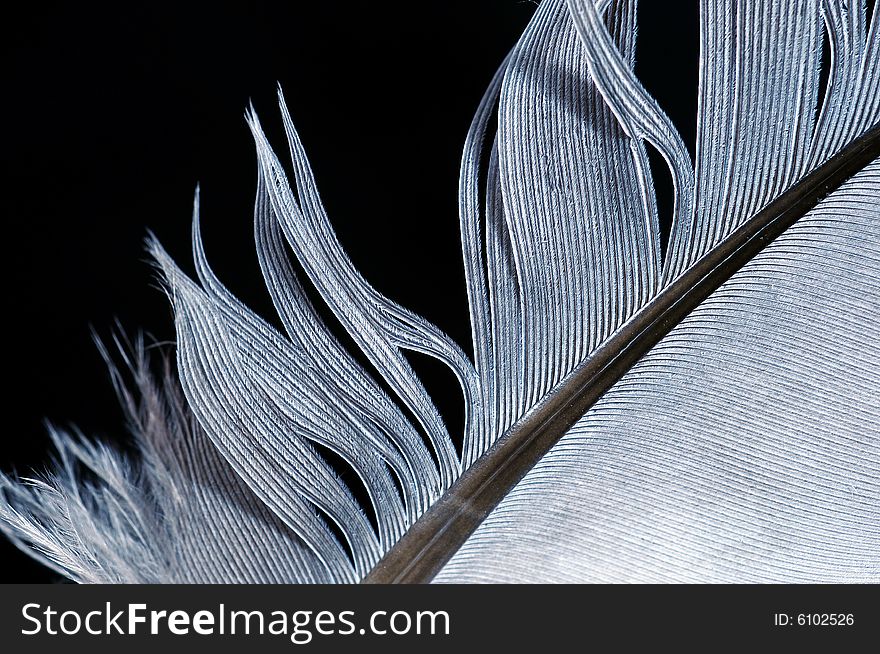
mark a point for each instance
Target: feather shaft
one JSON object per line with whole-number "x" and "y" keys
{"x": 438, "y": 534}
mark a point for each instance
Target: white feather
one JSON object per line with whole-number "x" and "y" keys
{"x": 743, "y": 447}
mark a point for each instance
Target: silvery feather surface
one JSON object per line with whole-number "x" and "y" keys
{"x": 744, "y": 446}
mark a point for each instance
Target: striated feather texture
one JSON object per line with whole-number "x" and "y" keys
{"x": 744, "y": 446}
{"x": 178, "y": 514}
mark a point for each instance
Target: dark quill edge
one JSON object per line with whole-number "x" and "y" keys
{"x": 443, "y": 529}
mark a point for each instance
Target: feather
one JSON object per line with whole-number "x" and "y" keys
{"x": 744, "y": 447}
{"x": 695, "y": 412}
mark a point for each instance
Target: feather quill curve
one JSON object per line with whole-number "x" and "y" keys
{"x": 743, "y": 447}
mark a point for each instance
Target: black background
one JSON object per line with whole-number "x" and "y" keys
{"x": 113, "y": 113}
